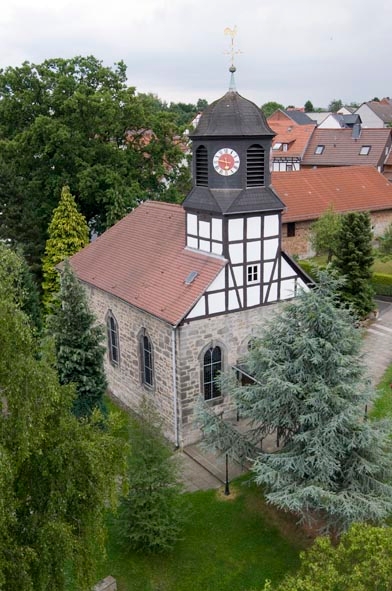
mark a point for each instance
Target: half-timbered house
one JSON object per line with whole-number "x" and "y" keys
{"x": 183, "y": 289}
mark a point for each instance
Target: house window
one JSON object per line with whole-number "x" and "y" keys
{"x": 277, "y": 146}
{"x": 202, "y": 166}
{"x": 289, "y": 167}
{"x": 147, "y": 372}
{"x": 290, "y": 229}
{"x": 285, "y": 147}
{"x": 364, "y": 151}
{"x": 252, "y": 273}
{"x": 255, "y": 166}
{"x": 319, "y": 149}
{"x": 113, "y": 346}
{"x": 212, "y": 365}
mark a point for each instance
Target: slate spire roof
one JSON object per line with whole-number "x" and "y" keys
{"x": 232, "y": 116}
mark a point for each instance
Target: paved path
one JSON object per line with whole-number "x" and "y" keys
{"x": 203, "y": 470}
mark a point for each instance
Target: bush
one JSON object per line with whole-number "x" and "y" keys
{"x": 382, "y": 284}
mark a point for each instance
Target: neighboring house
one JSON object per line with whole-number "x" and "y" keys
{"x": 376, "y": 113}
{"x": 309, "y": 193}
{"x": 293, "y": 132}
{"x": 337, "y": 121}
{"x": 348, "y": 147}
{"x": 184, "y": 289}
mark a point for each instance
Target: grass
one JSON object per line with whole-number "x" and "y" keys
{"x": 382, "y": 407}
{"x": 380, "y": 265}
{"x": 230, "y": 543}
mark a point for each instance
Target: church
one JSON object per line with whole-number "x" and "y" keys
{"x": 183, "y": 289}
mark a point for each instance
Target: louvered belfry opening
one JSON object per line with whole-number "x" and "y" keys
{"x": 202, "y": 166}
{"x": 255, "y": 166}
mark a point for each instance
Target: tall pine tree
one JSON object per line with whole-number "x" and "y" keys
{"x": 68, "y": 233}
{"x": 354, "y": 260}
{"x": 333, "y": 468}
{"x": 78, "y": 343}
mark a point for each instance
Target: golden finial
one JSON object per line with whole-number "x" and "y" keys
{"x": 232, "y": 51}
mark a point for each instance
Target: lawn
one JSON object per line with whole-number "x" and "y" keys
{"x": 382, "y": 407}
{"x": 230, "y": 544}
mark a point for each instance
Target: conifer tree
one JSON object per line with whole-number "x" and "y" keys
{"x": 333, "y": 467}
{"x": 151, "y": 515}
{"x": 68, "y": 233}
{"x": 78, "y": 343}
{"x": 354, "y": 259}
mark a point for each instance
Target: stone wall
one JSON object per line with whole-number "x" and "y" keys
{"x": 125, "y": 379}
{"x": 231, "y": 332}
{"x": 299, "y": 245}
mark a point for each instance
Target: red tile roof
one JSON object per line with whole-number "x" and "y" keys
{"x": 308, "y": 193}
{"x": 341, "y": 149}
{"x": 142, "y": 260}
{"x": 295, "y": 136}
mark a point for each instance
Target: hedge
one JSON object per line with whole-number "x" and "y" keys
{"x": 381, "y": 282}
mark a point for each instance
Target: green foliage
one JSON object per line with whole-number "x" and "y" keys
{"x": 382, "y": 284}
{"x": 78, "y": 345}
{"x": 309, "y": 108}
{"x": 270, "y": 107}
{"x": 360, "y": 562}
{"x": 229, "y": 544}
{"x": 333, "y": 468}
{"x": 68, "y": 233}
{"x": 354, "y": 259}
{"x": 385, "y": 241}
{"x": 335, "y": 105}
{"x": 75, "y": 122}
{"x": 151, "y": 515}
{"x": 324, "y": 233}
{"x": 57, "y": 474}
{"x": 16, "y": 281}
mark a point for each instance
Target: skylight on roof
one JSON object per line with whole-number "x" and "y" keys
{"x": 319, "y": 149}
{"x": 364, "y": 151}
{"x": 191, "y": 277}
{"x": 277, "y": 146}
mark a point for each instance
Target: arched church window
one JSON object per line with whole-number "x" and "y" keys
{"x": 146, "y": 360}
{"x": 113, "y": 338}
{"x": 202, "y": 166}
{"x": 212, "y": 365}
{"x": 255, "y": 166}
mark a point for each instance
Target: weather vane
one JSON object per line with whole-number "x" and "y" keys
{"x": 232, "y": 51}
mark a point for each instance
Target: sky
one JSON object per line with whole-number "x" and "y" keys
{"x": 291, "y": 51}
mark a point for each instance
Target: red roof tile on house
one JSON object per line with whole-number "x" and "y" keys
{"x": 308, "y": 193}
{"x": 340, "y": 148}
{"x": 142, "y": 260}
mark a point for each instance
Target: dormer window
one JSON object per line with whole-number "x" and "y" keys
{"x": 277, "y": 146}
{"x": 202, "y": 166}
{"x": 319, "y": 149}
{"x": 255, "y": 166}
{"x": 364, "y": 151}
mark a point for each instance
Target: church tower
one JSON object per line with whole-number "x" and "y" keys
{"x": 232, "y": 211}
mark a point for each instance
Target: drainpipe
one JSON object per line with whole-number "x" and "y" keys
{"x": 174, "y": 377}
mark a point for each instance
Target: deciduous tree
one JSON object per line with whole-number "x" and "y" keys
{"x": 360, "y": 562}
{"x": 271, "y": 107}
{"x": 57, "y": 474}
{"x": 76, "y": 122}
{"x": 333, "y": 468}
{"x": 324, "y": 233}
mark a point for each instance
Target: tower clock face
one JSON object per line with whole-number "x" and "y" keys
{"x": 226, "y": 161}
